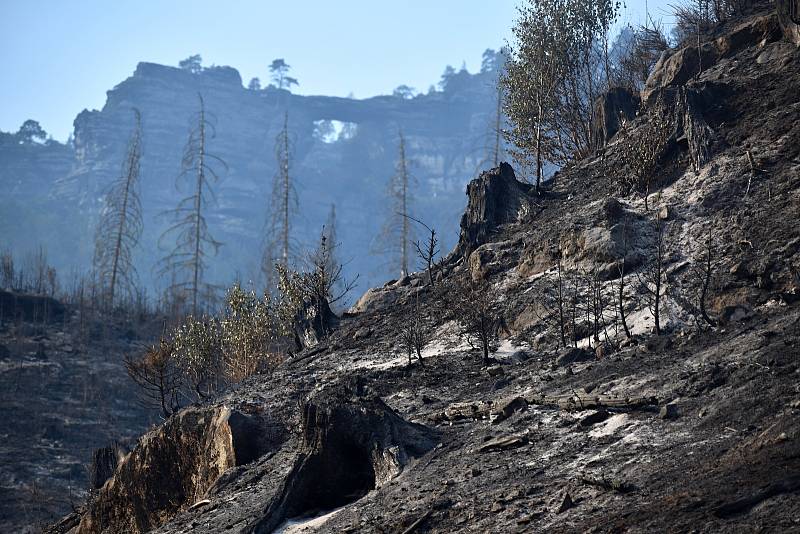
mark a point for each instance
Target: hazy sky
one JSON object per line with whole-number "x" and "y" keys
{"x": 58, "y": 57}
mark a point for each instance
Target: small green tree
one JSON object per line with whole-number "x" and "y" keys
{"x": 30, "y": 132}
{"x": 279, "y": 71}
{"x": 193, "y": 64}
{"x": 250, "y": 331}
{"x": 198, "y": 353}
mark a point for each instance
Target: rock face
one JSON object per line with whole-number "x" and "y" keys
{"x": 349, "y": 443}
{"x": 610, "y": 109}
{"x": 343, "y": 141}
{"x": 495, "y": 198}
{"x": 349, "y": 447}
{"x": 676, "y": 69}
{"x": 789, "y": 18}
{"x": 173, "y": 466}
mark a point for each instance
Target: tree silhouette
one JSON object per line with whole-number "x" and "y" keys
{"x": 279, "y": 70}
{"x": 192, "y": 63}
{"x": 193, "y": 243}
{"x": 120, "y": 226}
{"x": 30, "y": 131}
{"x": 283, "y": 207}
{"x": 396, "y": 233}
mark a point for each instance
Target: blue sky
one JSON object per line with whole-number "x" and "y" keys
{"x": 61, "y": 56}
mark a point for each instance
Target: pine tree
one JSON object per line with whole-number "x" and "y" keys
{"x": 282, "y": 209}
{"x": 193, "y": 242}
{"x": 120, "y": 226}
{"x": 396, "y": 234}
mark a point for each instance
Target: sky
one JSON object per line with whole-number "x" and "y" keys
{"x": 58, "y": 57}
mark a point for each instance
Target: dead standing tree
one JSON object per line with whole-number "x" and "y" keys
{"x": 621, "y": 289}
{"x": 396, "y": 234}
{"x": 193, "y": 243}
{"x": 428, "y": 250}
{"x": 284, "y": 204}
{"x": 652, "y": 279}
{"x": 704, "y": 270}
{"x": 158, "y": 376}
{"x": 643, "y": 149}
{"x": 480, "y": 320}
{"x": 120, "y": 226}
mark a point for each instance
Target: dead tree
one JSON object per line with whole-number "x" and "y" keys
{"x": 283, "y": 206}
{"x": 193, "y": 244}
{"x": 479, "y": 319}
{"x": 560, "y": 301}
{"x": 416, "y": 333}
{"x": 427, "y": 251}
{"x": 621, "y": 292}
{"x": 159, "y": 378}
{"x": 120, "y": 226}
{"x": 652, "y": 279}
{"x": 643, "y": 148}
{"x": 396, "y": 233}
{"x": 705, "y": 272}
{"x": 306, "y": 297}
{"x": 498, "y": 125}
{"x": 326, "y": 280}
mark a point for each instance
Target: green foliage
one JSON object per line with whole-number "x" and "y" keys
{"x": 198, "y": 351}
{"x": 31, "y": 131}
{"x": 193, "y": 64}
{"x": 552, "y": 78}
{"x": 250, "y": 331}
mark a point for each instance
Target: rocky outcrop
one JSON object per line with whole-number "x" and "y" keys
{"x": 496, "y": 198}
{"x": 350, "y": 445}
{"x": 678, "y": 68}
{"x": 613, "y": 231}
{"x": 173, "y": 466}
{"x": 344, "y": 141}
{"x": 789, "y": 19}
{"x": 610, "y": 110}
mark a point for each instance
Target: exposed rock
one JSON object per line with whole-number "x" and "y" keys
{"x": 349, "y": 447}
{"x": 489, "y": 259}
{"x": 789, "y": 20}
{"x": 776, "y": 52}
{"x": 599, "y": 245}
{"x": 495, "y": 370}
{"x": 495, "y": 198}
{"x": 104, "y": 463}
{"x": 669, "y": 411}
{"x": 680, "y": 67}
{"x": 593, "y": 418}
{"x": 741, "y": 270}
{"x": 374, "y": 298}
{"x": 173, "y": 466}
{"x": 565, "y": 503}
{"x": 508, "y": 407}
{"x": 503, "y": 443}
{"x": 610, "y": 109}
{"x": 734, "y": 314}
{"x": 572, "y": 355}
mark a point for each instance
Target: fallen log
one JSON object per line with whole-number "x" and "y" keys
{"x": 418, "y": 522}
{"x": 585, "y": 402}
{"x": 467, "y": 410}
{"x": 504, "y": 443}
{"x": 608, "y": 484}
